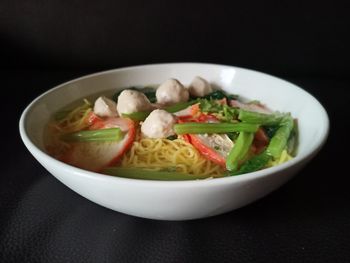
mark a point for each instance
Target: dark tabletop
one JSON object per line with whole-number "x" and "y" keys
{"x": 306, "y": 220}
{"x": 41, "y": 220}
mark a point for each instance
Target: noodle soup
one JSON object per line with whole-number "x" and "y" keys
{"x": 172, "y": 132}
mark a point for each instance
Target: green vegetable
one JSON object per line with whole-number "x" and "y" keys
{"x": 150, "y": 93}
{"x": 277, "y": 145}
{"x": 260, "y": 118}
{"x": 172, "y": 137}
{"x": 232, "y": 97}
{"x": 209, "y": 106}
{"x": 195, "y": 127}
{"x": 292, "y": 144}
{"x": 239, "y": 150}
{"x": 224, "y": 112}
{"x": 220, "y": 94}
{"x": 270, "y": 130}
{"x": 102, "y": 135}
{"x": 279, "y": 140}
{"x": 137, "y": 173}
{"x": 229, "y": 113}
{"x": 255, "y": 163}
{"x": 233, "y": 135}
{"x": 215, "y": 95}
{"x": 180, "y": 106}
{"x": 137, "y": 116}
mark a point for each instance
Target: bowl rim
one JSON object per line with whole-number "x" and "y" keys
{"x": 299, "y": 158}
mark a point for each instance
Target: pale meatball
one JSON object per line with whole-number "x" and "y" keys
{"x": 171, "y": 92}
{"x": 200, "y": 87}
{"x": 130, "y": 101}
{"x": 159, "y": 124}
{"x": 105, "y": 107}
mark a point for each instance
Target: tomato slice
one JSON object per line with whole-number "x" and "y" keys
{"x": 260, "y": 141}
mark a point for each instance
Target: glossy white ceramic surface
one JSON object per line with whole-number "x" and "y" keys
{"x": 185, "y": 199}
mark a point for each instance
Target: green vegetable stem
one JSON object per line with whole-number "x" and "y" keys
{"x": 102, "y": 135}
{"x": 137, "y": 116}
{"x": 195, "y": 127}
{"x": 239, "y": 151}
{"x": 138, "y": 173}
{"x": 279, "y": 140}
{"x": 180, "y": 106}
{"x": 260, "y": 118}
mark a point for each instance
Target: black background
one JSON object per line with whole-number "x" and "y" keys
{"x": 44, "y": 43}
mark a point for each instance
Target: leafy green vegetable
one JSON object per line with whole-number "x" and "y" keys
{"x": 232, "y": 97}
{"x": 172, "y": 137}
{"x": 216, "y": 95}
{"x": 220, "y": 94}
{"x": 292, "y": 144}
{"x": 233, "y": 135}
{"x": 150, "y": 93}
{"x": 255, "y": 163}
{"x": 102, "y": 135}
{"x": 223, "y": 112}
{"x": 229, "y": 113}
{"x": 270, "y": 130}
{"x": 209, "y": 106}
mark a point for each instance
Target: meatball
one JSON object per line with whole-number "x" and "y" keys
{"x": 159, "y": 124}
{"x": 200, "y": 87}
{"x": 130, "y": 101}
{"x": 171, "y": 92}
{"x": 105, "y": 107}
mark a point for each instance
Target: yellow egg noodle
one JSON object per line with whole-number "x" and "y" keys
{"x": 164, "y": 154}
{"x": 285, "y": 156}
{"x": 158, "y": 154}
{"x": 75, "y": 119}
{"x": 71, "y": 121}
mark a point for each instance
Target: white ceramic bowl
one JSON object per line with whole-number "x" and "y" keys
{"x": 178, "y": 200}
